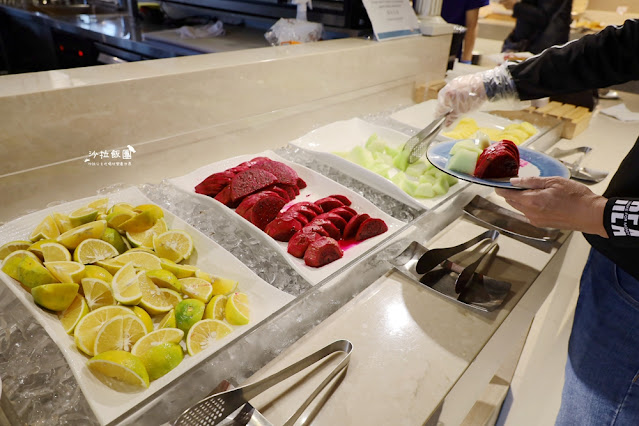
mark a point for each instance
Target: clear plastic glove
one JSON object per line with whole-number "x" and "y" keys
{"x": 556, "y": 202}
{"x": 469, "y": 92}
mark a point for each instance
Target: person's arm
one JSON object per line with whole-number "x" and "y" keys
{"x": 594, "y": 61}
{"x": 472, "y": 18}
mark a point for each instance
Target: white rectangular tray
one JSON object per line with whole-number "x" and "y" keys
{"x": 318, "y": 186}
{"x": 343, "y": 136}
{"x": 106, "y": 403}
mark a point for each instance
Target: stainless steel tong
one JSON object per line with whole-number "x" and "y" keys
{"x": 435, "y": 257}
{"x": 215, "y": 408}
{"x": 417, "y": 146}
{"x": 576, "y": 171}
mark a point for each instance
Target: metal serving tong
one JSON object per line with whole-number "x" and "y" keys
{"x": 215, "y": 408}
{"x": 417, "y": 146}
{"x": 576, "y": 171}
{"x": 435, "y": 257}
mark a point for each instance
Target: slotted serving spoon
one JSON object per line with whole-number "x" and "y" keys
{"x": 215, "y": 408}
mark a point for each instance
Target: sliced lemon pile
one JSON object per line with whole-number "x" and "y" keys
{"x": 168, "y": 321}
{"x": 93, "y": 271}
{"x": 119, "y": 370}
{"x": 223, "y": 286}
{"x": 83, "y": 215}
{"x": 180, "y": 271}
{"x": 144, "y": 317}
{"x": 174, "y": 245}
{"x": 165, "y": 279}
{"x": 204, "y": 334}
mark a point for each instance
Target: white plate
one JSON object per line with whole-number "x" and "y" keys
{"x": 420, "y": 115}
{"x": 318, "y": 187}
{"x": 343, "y": 136}
{"x": 108, "y": 404}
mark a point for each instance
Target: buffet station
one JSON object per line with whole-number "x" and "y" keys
{"x": 247, "y": 238}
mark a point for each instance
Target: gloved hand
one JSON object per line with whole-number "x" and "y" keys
{"x": 467, "y": 93}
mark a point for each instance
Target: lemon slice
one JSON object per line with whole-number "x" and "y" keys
{"x": 156, "y": 300}
{"x": 140, "y": 260}
{"x": 93, "y": 271}
{"x": 117, "y": 206}
{"x": 97, "y": 293}
{"x": 197, "y": 288}
{"x": 112, "y": 237}
{"x": 71, "y": 239}
{"x": 62, "y": 221}
{"x": 55, "y": 297}
{"x": 83, "y": 215}
{"x": 204, "y": 334}
{"x": 93, "y": 250}
{"x": 216, "y": 307}
{"x": 165, "y": 279}
{"x": 154, "y": 338}
{"x": 174, "y": 245}
{"x": 118, "y": 215}
{"x": 100, "y": 204}
{"x": 55, "y": 252}
{"x": 26, "y": 268}
{"x": 144, "y": 317}
{"x": 65, "y": 271}
{"x": 112, "y": 266}
{"x": 204, "y": 275}
{"x": 12, "y": 246}
{"x": 168, "y": 321}
{"x": 36, "y": 248}
{"x": 223, "y": 286}
{"x": 119, "y": 334}
{"x": 180, "y": 271}
{"x": 162, "y": 358}
{"x": 119, "y": 370}
{"x": 126, "y": 286}
{"x": 143, "y": 220}
{"x": 145, "y": 238}
{"x": 237, "y": 309}
{"x": 47, "y": 229}
{"x": 88, "y": 327}
{"x": 72, "y": 315}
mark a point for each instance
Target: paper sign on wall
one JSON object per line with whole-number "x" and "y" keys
{"x": 392, "y": 18}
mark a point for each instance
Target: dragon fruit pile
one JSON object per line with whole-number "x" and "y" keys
{"x": 260, "y": 188}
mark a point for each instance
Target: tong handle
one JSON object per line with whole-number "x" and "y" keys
{"x": 467, "y": 274}
{"x": 434, "y": 257}
{"x": 254, "y": 389}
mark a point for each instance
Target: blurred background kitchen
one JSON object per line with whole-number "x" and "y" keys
{"x": 38, "y": 35}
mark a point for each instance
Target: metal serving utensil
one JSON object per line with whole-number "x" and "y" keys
{"x": 214, "y": 409}
{"x": 435, "y": 257}
{"x": 576, "y": 171}
{"x": 417, "y": 146}
{"x": 467, "y": 274}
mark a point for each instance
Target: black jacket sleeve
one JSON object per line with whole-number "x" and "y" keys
{"x": 594, "y": 61}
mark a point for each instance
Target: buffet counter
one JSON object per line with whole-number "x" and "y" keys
{"x": 418, "y": 358}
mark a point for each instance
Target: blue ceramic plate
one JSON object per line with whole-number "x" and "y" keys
{"x": 532, "y": 163}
